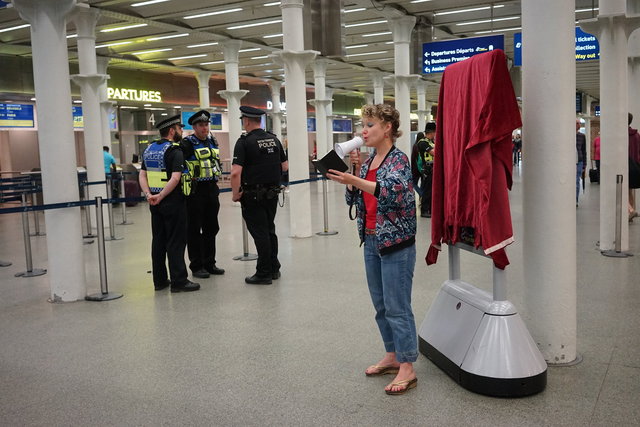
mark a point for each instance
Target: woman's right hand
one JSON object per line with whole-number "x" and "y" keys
{"x": 354, "y": 159}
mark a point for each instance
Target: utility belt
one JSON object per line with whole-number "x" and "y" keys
{"x": 261, "y": 191}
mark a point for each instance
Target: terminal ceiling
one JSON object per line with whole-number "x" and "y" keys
{"x": 165, "y": 36}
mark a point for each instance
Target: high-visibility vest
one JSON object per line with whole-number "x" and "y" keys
{"x": 204, "y": 163}
{"x": 157, "y": 176}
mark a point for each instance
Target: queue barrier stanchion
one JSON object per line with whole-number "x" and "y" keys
{"x": 112, "y": 226}
{"x": 617, "y": 252}
{"x": 87, "y": 213}
{"x": 31, "y": 272}
{"x": 104, "y": 294}
{"x": 123, "y": 205}
{"x": 246, "y": 256}
{"x": 36, "y": 214}
{"x": 325, "y": 208}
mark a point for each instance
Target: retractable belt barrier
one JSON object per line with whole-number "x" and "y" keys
{"x": 19, "y": 193}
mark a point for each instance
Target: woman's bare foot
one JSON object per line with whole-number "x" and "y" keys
{"x": 388, "y": 361}
{"x": 401, "y": 382}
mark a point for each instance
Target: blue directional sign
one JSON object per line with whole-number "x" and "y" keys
{"x": 78, "y": 120}
{"x": 215, "y": 122}
{"x": 437, "y": 55}
{"x": 342, "y": 125}
{"x": 311, "y": 124}
{"x": 587, "y": 47}
{"x": 16, "y": 116}
{"x": 3, "y": 4}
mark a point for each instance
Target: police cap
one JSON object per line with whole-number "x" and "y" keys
{"x": 171, "y": 121}
{"x": 200, "y": 116}
{"x": 251, "y": 112}
{"x": 430, "y": 127}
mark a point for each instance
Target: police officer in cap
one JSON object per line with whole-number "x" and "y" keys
{"x": 161, "y": 180}
{"x": 203, "y": 161}
{"x": 258, "y": 162}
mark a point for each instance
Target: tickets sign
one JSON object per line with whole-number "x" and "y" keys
{"x": 587, "y": 47}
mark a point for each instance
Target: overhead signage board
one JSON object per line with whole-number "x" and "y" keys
{"x": 3, "y": 4}
{"x": 215, "y": 122}
{"x": 587, "y": 47}
{"x": 437, "y": 55}
{"x": 17, "y": 116}
{"x": 342, "y": 125}
{"x": 78, "y": 120}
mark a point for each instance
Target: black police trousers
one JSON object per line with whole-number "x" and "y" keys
{"x": 168, "y": 225}
{"x": 202, "y": 225}
{"x": 259, "y": 214}
{"x": 425, "y": 201}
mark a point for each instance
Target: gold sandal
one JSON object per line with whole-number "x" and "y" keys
{"x": 408, "y": 384}
{"x": 382, "y": 370}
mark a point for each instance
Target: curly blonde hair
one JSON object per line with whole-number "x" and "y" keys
{"x": 385, "y": 113}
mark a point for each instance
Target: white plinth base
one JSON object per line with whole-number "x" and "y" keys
{"x": 482, "y": 344}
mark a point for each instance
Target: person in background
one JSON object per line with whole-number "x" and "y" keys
{"x": 634, "y": 153}
{"x": 581, "y": 156}
{"x": 415, "y": 171}
{"x": 109, "y": 160}
{"x": 382, "y": 191}
{"x": 595, "y": 152}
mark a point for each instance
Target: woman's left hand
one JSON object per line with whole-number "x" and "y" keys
{"x": 341, "y": 177}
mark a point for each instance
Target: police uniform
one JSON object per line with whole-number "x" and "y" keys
{"x": 260, "y": 154}
{"x": 168, "y": 218}
{"x": 203, "y": 161}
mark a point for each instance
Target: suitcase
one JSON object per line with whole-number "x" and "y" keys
{"x": 594, "y": 175}
{"x": 131, "y": 189}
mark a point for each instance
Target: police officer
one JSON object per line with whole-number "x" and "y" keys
{"x": 258, "y": 162}
{"x": 203, "y": 161}
{"x": 160, "y": 179}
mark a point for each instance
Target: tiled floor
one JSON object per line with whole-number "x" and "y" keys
{"x": 292, "y": 353}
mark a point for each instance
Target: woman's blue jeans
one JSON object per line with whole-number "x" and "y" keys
{"x": 390, "y": 280}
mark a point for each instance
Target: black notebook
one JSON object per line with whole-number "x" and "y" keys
{"x": 330, "y": 161}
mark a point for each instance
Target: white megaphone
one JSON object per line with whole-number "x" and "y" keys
{"x": 344, "y": 148}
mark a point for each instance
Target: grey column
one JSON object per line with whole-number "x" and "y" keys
{"x": 549, "y": 240}
{"x": 57, "y": 151}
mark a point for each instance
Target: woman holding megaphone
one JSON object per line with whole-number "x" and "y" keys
{"x": 381, "y": 188}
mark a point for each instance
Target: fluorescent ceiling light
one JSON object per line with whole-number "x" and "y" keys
{"x": 367, "y": 53}
{"x": 257, "y": 24}
{"x": 273, "y": 3}
{"x": 77, "y": 101}
{"x": 144, "y": 52}
{"x": 145, "y": 3}
{"x": 177, "y": 58}
{"x": 72, "y": 36}
{"x": 129, "y": 107}
{"x": 418, "y": 1}
{"x": 355, "y": 46}
{"x": 378, "y": 59}
{"x": 202, "y": 45}
{"x": 253, "y": 49}
{"x": 112, "y": 44}
{"x": 33, "y": 99}
{"x": 177, "y": 106}
{"x": 218, "y": 12}
{"x": 164, "y": 114}
{"x": 270, "y": 36}
{"x": 260, "y": 57}
{"x": 587, "y": 10}
{"x": 212, "y": 62}
{"x": 502, "y": 30}
{"x": 17, "y": 27}
{"x": 147, "y": 105}
{"x": 156, "y": 109}
{"x": 357, "y": 9}
{"x": 172, "y": 36}
{"x": 484, "y": 21}
{"x": 360, "y": 24}
{"x": 377, "y": 34}
{"x": 472, "y": 9}
{"x": 126, "y": 27}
